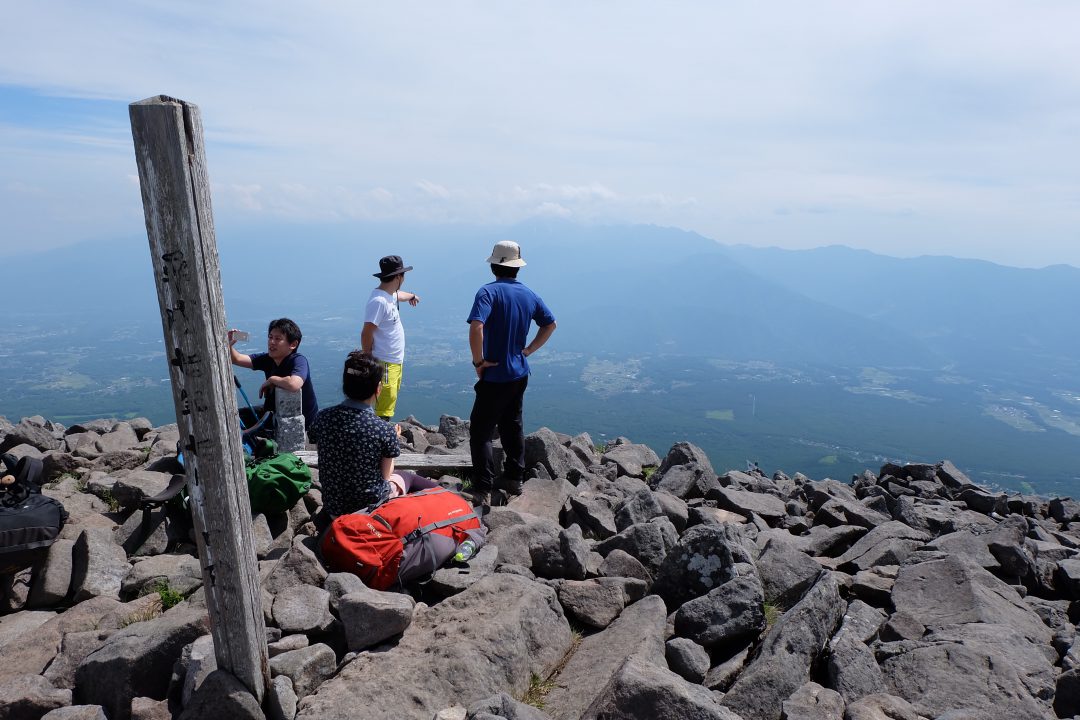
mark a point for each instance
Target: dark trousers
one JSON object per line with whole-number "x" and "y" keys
{"x": 497, "y": 405}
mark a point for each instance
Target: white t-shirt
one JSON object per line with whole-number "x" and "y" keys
{"x": 382, "y": 311}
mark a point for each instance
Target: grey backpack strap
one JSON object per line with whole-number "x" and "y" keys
{"x": 421, "y": 531}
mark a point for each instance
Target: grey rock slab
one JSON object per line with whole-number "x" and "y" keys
{"x": 700, "y": 561}
{"x": 675, "y": 509}
{"x": 620, "y": 563}
{"x": 594, "y": 512}
{"x": 954, "y": 590}
{"x": 137, "y": 485}
{"x": 872, "y": 587}
{"x": 299, "y": 566}
{"x": 303, "y": 609}
{"x": 883, "y": 706}
{"x": 122, "y": 437}
{"x": 15, "y": 624}
{"x": 720, "y": 677}
{"x": 543, "y": 498}
{"x": 567, "y": 559}
{"x": 29, "y": 696}
{"x": 687, "y": 659}
{"x": 196, "y": 663}
{"x": 861, "y": 622}
{"x": 521, "y": 536}
{"x": 691, "y": 480}
{"x": 287, "y": 643}
{"x": 639, "y": 631}
{"x": 371, "y": 616}
{"x": 649, "y": 542}
{"x": 639, "y": 507}
{"x": 144, "y": 708}
{"x": 683, "y": 453}
{"x": 786, "y": 572}
{"x": 886, "y": 544}
{"x": 99, "y": 565}
{"x": 505, "y": 629}
{"x": 53, "y": 580}
{"x": 137, "y": 660}
{"x": 31, "y": 651}
{"x": 965, "y": 542}
{"x": 181, "y": 573}
{"x": 768, "y": 507}
{"x": 281, "y": 700}
{"x": 307, "y": 668}
{"x": 787, "y": 653}
{"x": 595, "y": 603}
{"x": 640, "y": 689}
{"x": 32, "y": 434}
{"x": 340, "y": 584}
{"x": 988, "y": 668}
{"x": 852, "y": 669}
{"x": 74, "y": 647}
{"x": 222, "y": 697}
{"x": 631, "y": 459}
{"x": 503, "y": 706}
{"x": 76, "y": 712}
{"x": 726, "y": 616}
{"x": 836, "y": 512}
{"x": 544, "y": 447}
{"x": 456, "y": 577}
{"x": 1067, "y": 695}
{"x": 814, "y": 702}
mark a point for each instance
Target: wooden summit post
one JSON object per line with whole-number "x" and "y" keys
{"x": 180, "y": 226}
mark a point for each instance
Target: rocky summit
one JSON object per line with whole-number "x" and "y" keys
{"x": 619, "y": 584}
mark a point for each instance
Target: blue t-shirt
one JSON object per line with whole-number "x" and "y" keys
{"x": 295, "y": 364}
{"x": 507, "y": 308}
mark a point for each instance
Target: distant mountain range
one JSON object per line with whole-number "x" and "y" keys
{"x": 634, "y": 289}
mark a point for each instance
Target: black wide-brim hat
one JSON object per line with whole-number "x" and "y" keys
{"x": 390, "y": 266}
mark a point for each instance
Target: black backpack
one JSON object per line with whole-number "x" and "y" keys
{"x": 29, "y": 521}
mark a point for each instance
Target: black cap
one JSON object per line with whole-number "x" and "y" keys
{"x": 390, "y": 266}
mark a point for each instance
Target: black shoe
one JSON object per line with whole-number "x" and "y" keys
{"x": 511, "y": 485}
{"x": 477, "y": 498}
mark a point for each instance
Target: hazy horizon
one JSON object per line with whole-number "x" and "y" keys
{"x": 905, "y": 129}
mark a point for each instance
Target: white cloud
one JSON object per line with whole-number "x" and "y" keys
{"x": 432, "y": 189}
{"x": 953, "y": 120}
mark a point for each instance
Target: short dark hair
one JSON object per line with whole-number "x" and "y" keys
{"x": 501, "y": 271}
{"x": 288, "y": 328}
{"x": 361, "y": 376}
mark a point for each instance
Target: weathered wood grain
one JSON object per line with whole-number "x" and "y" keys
{"x": 169, "y": 151}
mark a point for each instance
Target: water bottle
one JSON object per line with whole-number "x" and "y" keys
{"x": 465, "y": 551}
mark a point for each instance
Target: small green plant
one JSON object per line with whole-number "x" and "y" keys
{"x": 169, "y": 596}
{"x": 109, "y": 499}
{"x": 772, "y": 614}
{"x": 81, "y": 484}
{"x": 537, "y": 692}
{"x": 647, "y": 471}
{"x": 600, "y": 448}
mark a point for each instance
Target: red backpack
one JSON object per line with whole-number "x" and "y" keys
{"x": 403, "y": 539}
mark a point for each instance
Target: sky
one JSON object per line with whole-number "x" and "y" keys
{"x": 905, "y": 128}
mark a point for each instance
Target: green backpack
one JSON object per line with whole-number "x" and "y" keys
{"x": 276, "y": 482}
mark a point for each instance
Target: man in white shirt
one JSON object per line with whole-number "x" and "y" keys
{"x": 383, "y": 336}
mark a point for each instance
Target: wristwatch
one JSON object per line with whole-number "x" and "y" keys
{"x": 478, "y": 363}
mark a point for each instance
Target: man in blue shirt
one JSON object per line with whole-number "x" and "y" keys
{"x": 499, "y": 322}
{"x": 282, "y": 366}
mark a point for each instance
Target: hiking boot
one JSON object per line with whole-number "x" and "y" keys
{"x": 477, "y": 498}
{"x": 510, "y": 485}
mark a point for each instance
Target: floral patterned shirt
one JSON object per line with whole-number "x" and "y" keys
{"x": 352, "y": 443}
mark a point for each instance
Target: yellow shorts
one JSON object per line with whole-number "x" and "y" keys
{"x": 390, "y": 385}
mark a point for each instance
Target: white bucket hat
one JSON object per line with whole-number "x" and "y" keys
{"x": 506, "y": 253}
